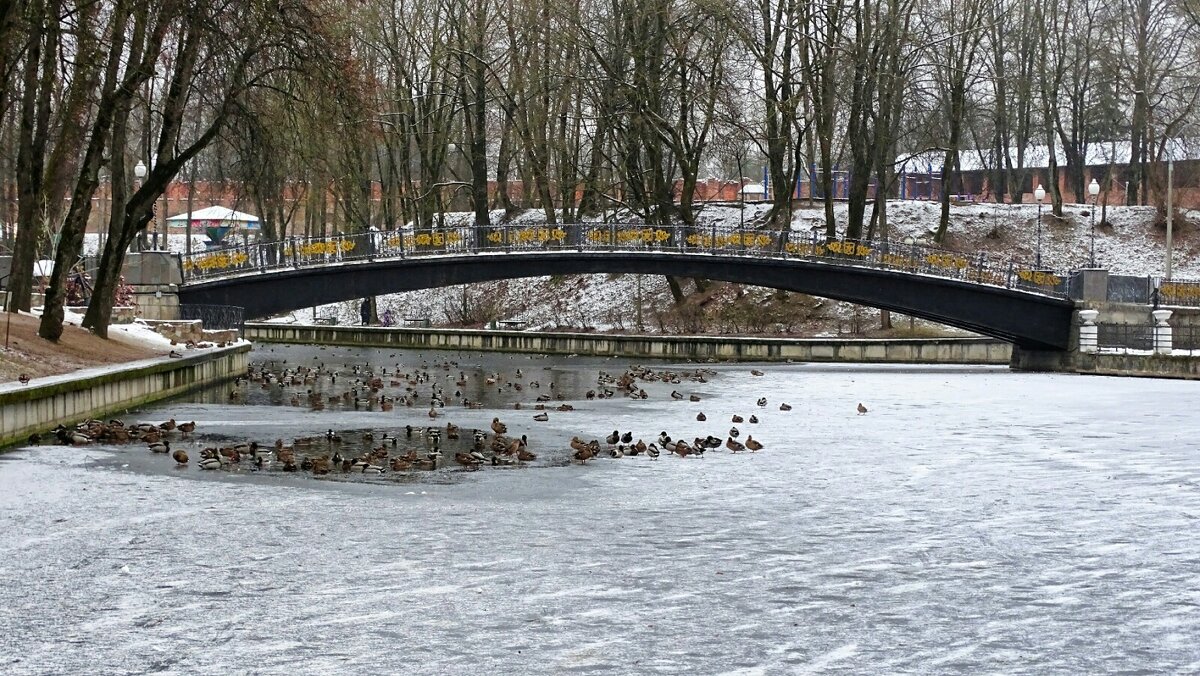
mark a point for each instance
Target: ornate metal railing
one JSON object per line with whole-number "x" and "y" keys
{"x": 978, "y": 267}
{"x": 219, "y": 317}
{"x": 1179, "y": 292}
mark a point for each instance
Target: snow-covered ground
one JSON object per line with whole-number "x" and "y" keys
{"x": 974, "y": 521}
{"x": 1130, "y": 243}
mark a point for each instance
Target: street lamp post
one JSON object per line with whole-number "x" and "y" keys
{"x": 1039, "y": 194}
{"x": 1094, "y": 191}
{"x": 139, "y": 172}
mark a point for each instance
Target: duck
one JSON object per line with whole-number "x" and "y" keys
{"x": 753, "y": 420}
{"x": 618, "y": 452}
{"x": 653, "y": 451}
{"x": 372, "y": 469}
{"x": 734, "y": 432}
{"x": 676, "y": 395}
{"x": 187, "y": 427}
{"x": 167, "y": 426}
{"x": 467, "y": 460}
{"x": 209, "y": 463}
{"x": 160, "y": 447}
{"x": 700, "y": 417}
{"x": 400, "y": 464}
{"x": 180, "y": 456}
{"x": 541, "y": 417}
{"x": 785, "y": 407}
{"x": 734, "y": 446}
{"x": 762, "y": 401}
{"x": 524, "y": 455}
{"x": 627, "y": 438}
{"x": 736, "y": 419}
{"x": 755, "y": 372}
{"x": 663, "y": 439}
{"x": 752, "y": 444}
{"x": 694, "y": 398}
{"x": 679, "y": 448}
{"x": 584, "y": 454}
{"x": 862, "y": 410}
{"x": 451, "y": 431}
{"x": 499, "y": 427}
{"x": 613, "y": 438}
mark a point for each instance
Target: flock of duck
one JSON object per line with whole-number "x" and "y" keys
{"x": 412, "y": 448}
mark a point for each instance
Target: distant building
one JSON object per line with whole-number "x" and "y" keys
{"x": 920, "y": 176}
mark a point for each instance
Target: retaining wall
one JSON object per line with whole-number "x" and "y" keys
{"x": 902, "y": 351}
{"x": 96, "y": 393}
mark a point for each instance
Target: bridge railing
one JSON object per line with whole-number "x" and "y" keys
{"x": 297, "y": 252}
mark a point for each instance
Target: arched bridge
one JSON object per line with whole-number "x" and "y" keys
{"x": 999, "y": 298}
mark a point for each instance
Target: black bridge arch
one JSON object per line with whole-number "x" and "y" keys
{"x": 1027, "y": 319}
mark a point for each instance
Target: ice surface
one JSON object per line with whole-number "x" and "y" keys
{"x": 976, "y": 520}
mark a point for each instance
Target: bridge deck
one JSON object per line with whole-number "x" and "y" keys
{"x": 1000, "y": 298}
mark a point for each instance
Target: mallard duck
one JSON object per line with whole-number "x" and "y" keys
{"x": 372, "y": 469}
{"x": 785, "y": 407}
{"x": 734, "y": 432}
{"x": 861, "y": 409}
{"x": 209, "y": 463}
{"x": 613, "y": 438}
{"x": 752, "y": 444}
{"x": 663, "y": 439}
{"x": 467, "y": 460}
{"x": 700, "y": 417}
{"x": 499, "y": 427}
{"x": 762, "y": 401}
{"x": 694, "y": 398}
{"x": 737, "y": 419}
{"x": 167, "y": 426}
{"x": 180, "y": 456}
{"x": 541, "y": 417}
{"x": 653, "y": 452}
{"x": 524, "y": 455}
{"x": 753, "y": 420}
{"x": 584, "y": 454}
{"x": 679, "y": 448}
{"x": 451, "y": 431}
{"x": 734, "y": 446}
{"x": 400, "y": 464}
{"x": 755, "y": 372}
{"x": 627, "y": 438}
{"x": 187, "y": 428}
{"x": 676, "y": 395}
{"x": 160, "y": 447}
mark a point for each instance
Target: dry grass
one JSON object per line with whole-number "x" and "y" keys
{"x": 77, "y": 349}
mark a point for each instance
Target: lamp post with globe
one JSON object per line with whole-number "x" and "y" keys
{"x": 1039, "y": 194}
{"x": 139, "y": 172}
{"x": 1094, "y": 191}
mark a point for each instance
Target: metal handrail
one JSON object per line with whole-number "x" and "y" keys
{"x": 301, "y": 252}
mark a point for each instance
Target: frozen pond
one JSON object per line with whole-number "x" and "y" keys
{"x": 975, "y": 520}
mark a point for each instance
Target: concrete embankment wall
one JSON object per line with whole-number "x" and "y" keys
{"x": 901, "y": 351}
{"x": 95, "y": 393}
